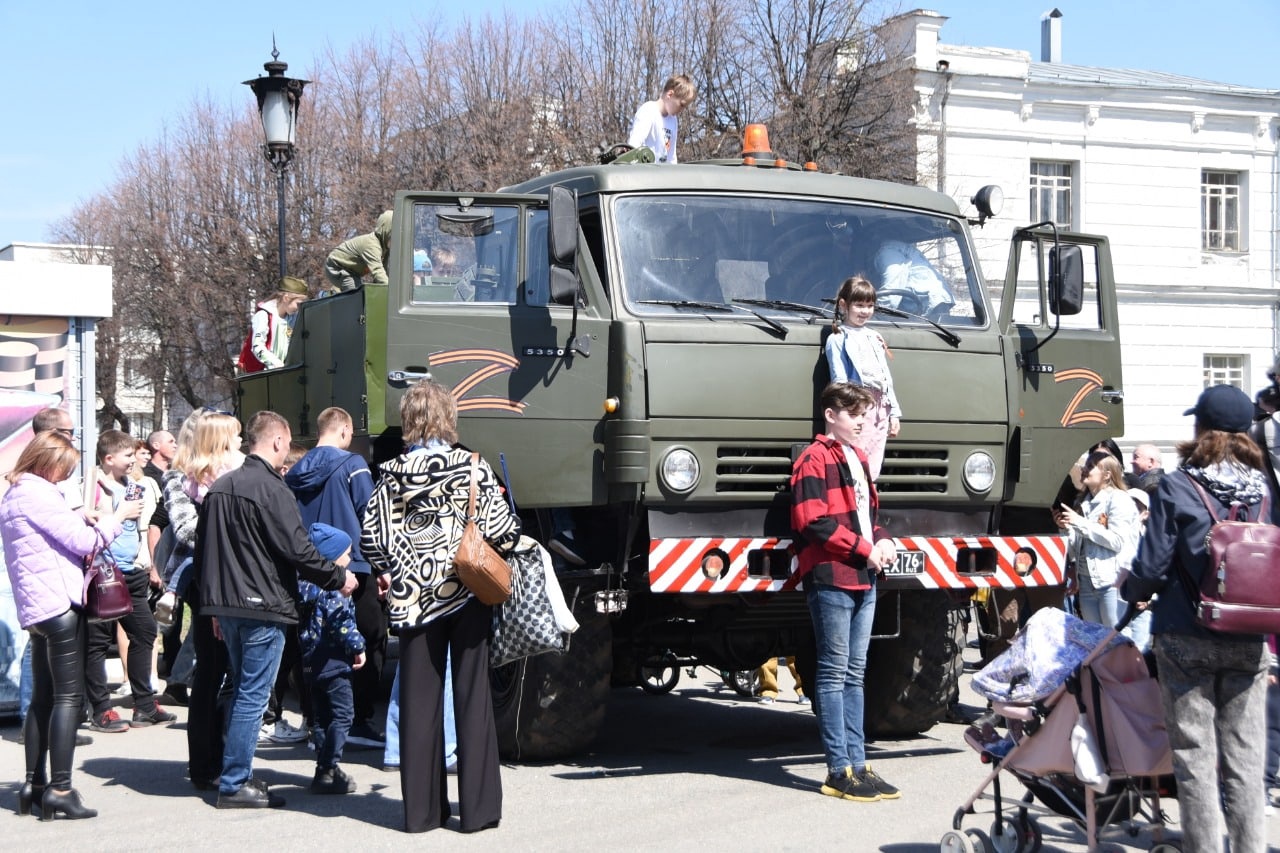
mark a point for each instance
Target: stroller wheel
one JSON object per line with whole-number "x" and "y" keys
{"x": 980, "y": 841}
{"x": 1015, "y": 836}
{"x": 956, "y": 842}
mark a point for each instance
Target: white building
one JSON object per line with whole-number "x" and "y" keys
{"x": 1182, "y": 175}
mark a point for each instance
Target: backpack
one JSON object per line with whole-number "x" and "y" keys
{"x": 1238, "y": 593}
{"x": 248, "y": 362}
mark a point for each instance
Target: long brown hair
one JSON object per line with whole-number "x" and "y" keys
{"x": 1213, "y": 446}
{"x": 50, "y": 455}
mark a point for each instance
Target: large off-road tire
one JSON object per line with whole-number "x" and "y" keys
{"x": 552, "y": 706}
{"x": 912, "y": 678}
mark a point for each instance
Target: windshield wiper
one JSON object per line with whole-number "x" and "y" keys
{"x": 784, "y": 305}
{"x": 717, "y": 306}
{"x": 947, "y": 335}
{"x": 688, "y": 303}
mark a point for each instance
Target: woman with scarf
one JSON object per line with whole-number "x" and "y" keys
{"x": 1213, "y": 684}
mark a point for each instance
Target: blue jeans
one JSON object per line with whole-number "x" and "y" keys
{"x": 254, "y": 648}
{"x": 842, "y": 630}
{"x": 391, "y": 753}
{"x": 1098, "y": 605}
{"x": 335, "y": 710}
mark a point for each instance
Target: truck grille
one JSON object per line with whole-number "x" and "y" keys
{"x": 914, "y": 470}
{"x": 763, "y": 469}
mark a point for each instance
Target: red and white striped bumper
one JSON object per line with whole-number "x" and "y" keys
{"x": 675, "y": 565}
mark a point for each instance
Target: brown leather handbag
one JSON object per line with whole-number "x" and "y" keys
{"x": 478, "y": 565}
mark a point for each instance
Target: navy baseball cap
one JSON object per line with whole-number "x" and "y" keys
{"x": 1223, "y": 407}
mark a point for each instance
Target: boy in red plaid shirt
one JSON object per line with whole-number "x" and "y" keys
{"x": 833, "y": 510}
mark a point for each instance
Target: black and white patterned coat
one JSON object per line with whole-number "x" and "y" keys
{"x": 414, "y": 522}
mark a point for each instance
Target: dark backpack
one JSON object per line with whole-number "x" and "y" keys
{"x": 1238, "y": 593}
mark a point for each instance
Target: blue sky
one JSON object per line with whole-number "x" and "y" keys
{"x": 86, "y": 83}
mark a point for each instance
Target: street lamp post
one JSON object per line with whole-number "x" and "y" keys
{"x": 278, "y": 99}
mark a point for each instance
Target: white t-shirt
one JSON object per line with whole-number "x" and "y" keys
{"x": 861, "y": 491}
{"x": 653, "y": 130}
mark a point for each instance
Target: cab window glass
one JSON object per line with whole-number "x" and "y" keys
{"x": 1033, "y": 268}
{"x": 465, "y": 255}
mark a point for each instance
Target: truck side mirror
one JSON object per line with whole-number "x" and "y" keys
{"x": 562, "y": 245}
{"x": 562, "y": 234}
{"x": 1066, "y": 280}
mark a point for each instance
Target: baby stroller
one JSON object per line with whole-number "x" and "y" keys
{"x": 1086, "y": 738}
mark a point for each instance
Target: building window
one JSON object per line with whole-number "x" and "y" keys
{"x": 1220, "y": 211}
{"x": 1224, "y": 370}
{"x": 1051, "y": 193}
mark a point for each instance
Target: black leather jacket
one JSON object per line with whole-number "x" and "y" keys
{"x": 251, "y": 548}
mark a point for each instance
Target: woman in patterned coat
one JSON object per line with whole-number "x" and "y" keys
{"x": 412, "y": 528}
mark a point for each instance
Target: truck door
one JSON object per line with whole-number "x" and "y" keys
{"x": 470, "y": 305}
{"x": 1062, "y": 357}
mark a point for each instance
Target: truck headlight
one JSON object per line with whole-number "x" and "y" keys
{"x": 679, "y": 470}
{"x": 979, "y": 471}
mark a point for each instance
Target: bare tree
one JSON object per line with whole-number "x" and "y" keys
{"x": 190, "y": 223}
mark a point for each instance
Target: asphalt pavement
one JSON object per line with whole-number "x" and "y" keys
{"x": 700, "y": 769}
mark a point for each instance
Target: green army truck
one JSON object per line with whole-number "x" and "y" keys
{"x": 637, "y": 348}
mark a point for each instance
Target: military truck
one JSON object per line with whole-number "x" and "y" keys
{"x": 637, "y": 348}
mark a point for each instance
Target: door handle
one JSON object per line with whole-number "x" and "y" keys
{"x": 406, "y": 376}
{"x": 1112, "y": 395}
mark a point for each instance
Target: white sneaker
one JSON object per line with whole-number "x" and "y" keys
{"x": 123, "y": 690}
{"x": 285, "y": 733}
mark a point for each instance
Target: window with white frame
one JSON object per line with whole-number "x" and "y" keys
{"x": 1051, "y": 193}
{"x": 1222, "y": 369}
{"x": 1220, "y": 211}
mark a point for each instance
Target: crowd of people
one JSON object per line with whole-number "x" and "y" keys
{"x": 287, "y": 560}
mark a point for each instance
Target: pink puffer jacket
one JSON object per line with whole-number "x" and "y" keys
{"x": 44, "y": 548}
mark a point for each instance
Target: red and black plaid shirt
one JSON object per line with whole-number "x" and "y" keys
{"x": 824, "y": 513}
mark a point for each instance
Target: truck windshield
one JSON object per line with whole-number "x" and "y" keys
{"x": 788, "y": 255}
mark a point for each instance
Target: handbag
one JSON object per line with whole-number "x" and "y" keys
{"x": 480, "y": 568}
{"x": 106, "y": 592}
{"x": 526, "y": 623}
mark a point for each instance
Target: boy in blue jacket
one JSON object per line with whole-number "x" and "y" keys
{"x": 332, "y": 649}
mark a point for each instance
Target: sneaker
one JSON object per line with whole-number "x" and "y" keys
{"x": 847, "y": 786}
{"x": 886, "y": 791}
{"x": 83, "y": 739}
{"x": 391, "y": 768}
{"x": 334, "y": 781}
{"x": 165, "y": 606}
{"x": 123, "y": 690}
{"x": 765, "y": 700}
{"x": 562, "y": 543}
{"x": 108, "y": 721}
{"x": 282, "y": 732}
{"x": 364, "y": 734}
{"x": 153, "y": 717}
{"x": 802, "y": 699}
{"x": 250, "y": 796}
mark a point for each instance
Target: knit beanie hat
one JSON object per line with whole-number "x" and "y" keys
{"x": 331, "y": 542}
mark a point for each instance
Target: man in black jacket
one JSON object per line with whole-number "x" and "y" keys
{"x": 252, "y": 548}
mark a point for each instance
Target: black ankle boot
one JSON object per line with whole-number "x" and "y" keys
{"x": 68, "y": 803}
{"x": 30, "y": 792}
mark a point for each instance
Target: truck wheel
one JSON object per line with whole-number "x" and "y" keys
{"x": 911, "y": 679}
{"x": 551, "y": 706}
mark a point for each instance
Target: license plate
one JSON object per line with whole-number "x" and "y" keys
{"x": 907, "y": 563}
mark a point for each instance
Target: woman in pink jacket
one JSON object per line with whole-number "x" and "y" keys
{"x": 44, "y": 548}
